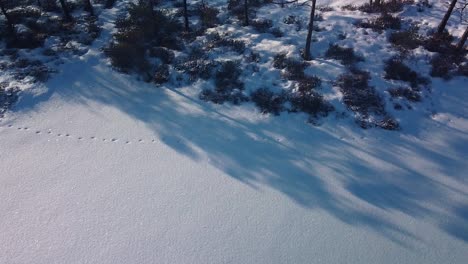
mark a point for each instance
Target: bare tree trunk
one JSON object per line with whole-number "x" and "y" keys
{"x": 89, "y": 7}
{"x": 462, "y": 41}
{"x": 246, "y": 12}
{"x": 186, "y": 21}
{"x": 307, "y": 55}
{"x": 8, "y": 18}
{"x": 444, "y": 21}
{"x": 66, "y": 12}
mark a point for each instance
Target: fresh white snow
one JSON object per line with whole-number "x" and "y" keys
{"x": 98, "y": 167}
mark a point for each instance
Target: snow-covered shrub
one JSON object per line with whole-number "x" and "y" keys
{"x": 345, "y": 55}
{"x": 388, "y": 123}
{"x": 307, "y": 84}
{"x": 252, "y": 57}
{"x": 261, "y": 25}
{"x": 325, "y": 8}
{"x": 196, "y": 68}
{"x": 382, "y": 22}
{"x": 228, "y": 86}
{"x": 311, "y": 103}
{"x": 294, "y": 69}
{"x": 385, "y": 6}
{"x": 395, "y": 69}
{"x": 439, "y": 43}
{"x": 406, "y": 39}
{"x": 268, "y": 101}
{"x": 349, "y": 7}
{"x": 276, "y": 32}
{"x": 227, "y": 77}
{"x": 405, "y": 92}
{"x": 448, "y": 65}
{"x": 293, "y": 20}
{"x": 281, "y": 61}
{"x": 197, "y": 64}
{"x": 358, "y": 96}
{"x": 216, "y": 40}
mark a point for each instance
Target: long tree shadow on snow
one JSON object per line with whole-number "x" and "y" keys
{"x": 349, "y": 178}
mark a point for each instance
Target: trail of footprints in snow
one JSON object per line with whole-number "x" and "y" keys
{"x": 80, "y": 138}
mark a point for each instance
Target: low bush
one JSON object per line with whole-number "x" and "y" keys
{"x": 252, "y": 57}
{"x": 279, "y": 60}
{"x": 268, "y": 101}
{"x": 441, "y": 43}
{"x": 227, "y": 77}
{"x": 307, "y": 84}
{"x": 406, "y": 39}
{"x": 395, "y": 69}
{"x": 405, "y": 92}
{"x": 293, "y": 20}
{"x": 294, "y": 69}
{"x": 448, "y": 65}
{"x": 345, "y": 55}
{"x": 197, "y": 68}
{"x": 350, "y": 7}
{"x": 383, "y": 22}
{"x": 228, "y": 86}
{"x": 325, "y": 8}
{"x": 385, "y": 6}
{"x": 358, "y": 96}
{"x": 276, "y": 32}
{"x": 311, "y": 103}
{"x": 388, "y": 123}
{"x": 216, "y": 40}
{"x": 261, "y": 25}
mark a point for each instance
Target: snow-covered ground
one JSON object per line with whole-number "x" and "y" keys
{"x": 97, "y": 167}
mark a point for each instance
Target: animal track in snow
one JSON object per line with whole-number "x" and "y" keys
{"x": 50, "y": 133}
